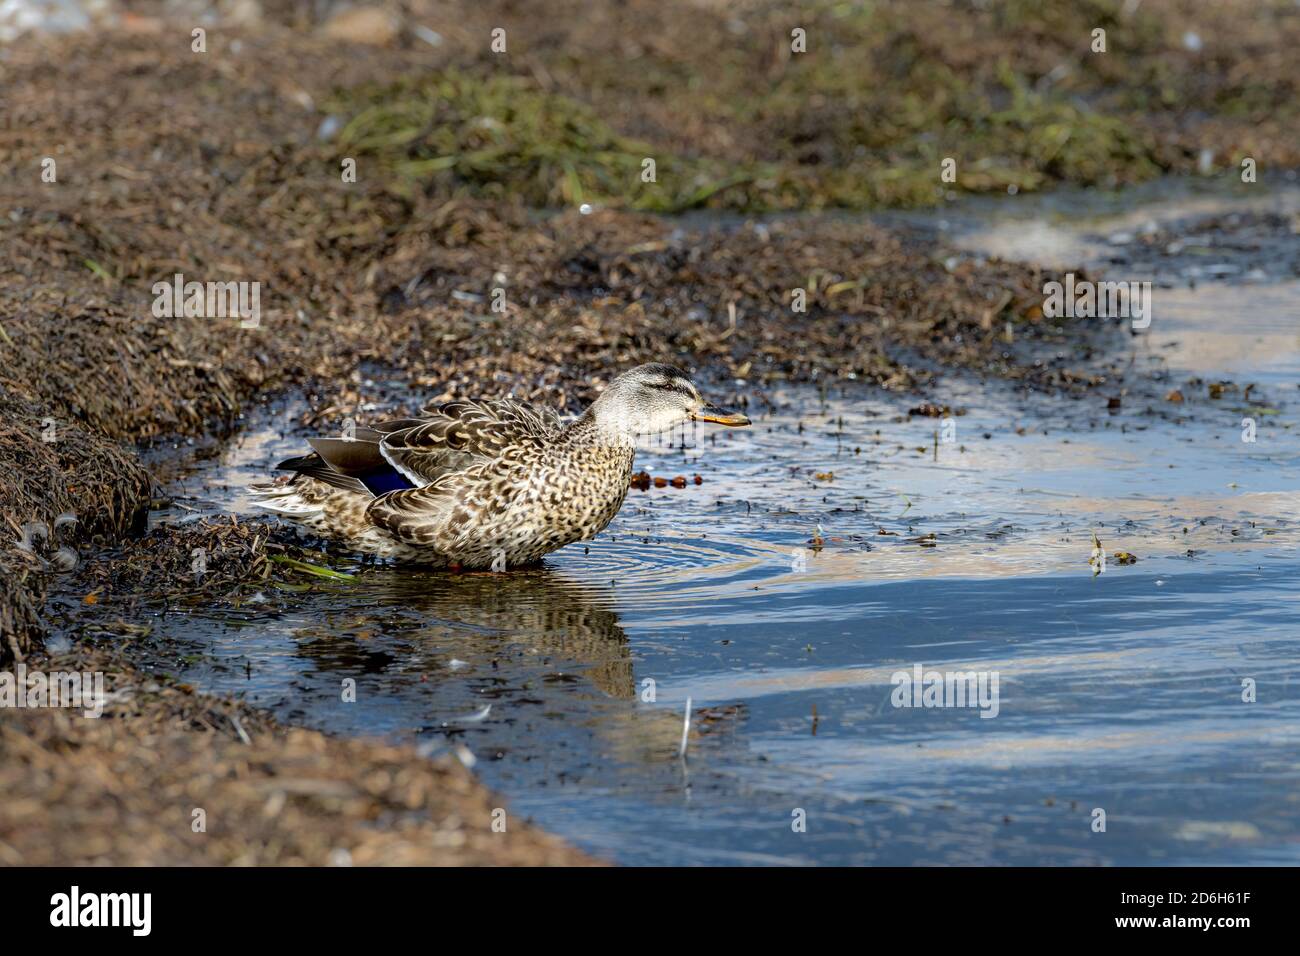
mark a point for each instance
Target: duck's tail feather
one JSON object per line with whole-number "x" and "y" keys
{"x": 288, "y": 500}
{"x": 354, "y": 465}
{"x": 313, "y": 466}
{"x": 357, "y": 458}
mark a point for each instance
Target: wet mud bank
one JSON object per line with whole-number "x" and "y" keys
{"x": 169, "y": 777}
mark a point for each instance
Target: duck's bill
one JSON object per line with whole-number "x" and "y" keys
{"x": 720, "y": 416}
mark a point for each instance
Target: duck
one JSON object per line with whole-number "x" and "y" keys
{"x": 493, "y": 484}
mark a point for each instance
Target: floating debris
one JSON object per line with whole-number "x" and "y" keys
{"x": 643, "y": 481}
{"x": 818, "y": 540}
{"x": 1098, "y": 558}
{"x": 930, "y": 410}
{"x": 475, "y": 718}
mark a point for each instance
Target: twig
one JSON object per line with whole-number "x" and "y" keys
{"x": 686, "y": 730}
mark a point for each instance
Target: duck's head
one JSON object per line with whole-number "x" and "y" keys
{"x": 655, "y": 398}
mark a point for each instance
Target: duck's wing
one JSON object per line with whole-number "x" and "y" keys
{"x": 413, "y": 516}
{"x": 456, "y": 436}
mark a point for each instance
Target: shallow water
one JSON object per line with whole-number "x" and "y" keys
{"x": 1120, "y": 691}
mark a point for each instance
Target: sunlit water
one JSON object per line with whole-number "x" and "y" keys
{"x": 839, "y": 542}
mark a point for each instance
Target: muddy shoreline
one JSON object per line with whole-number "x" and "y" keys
{"x": 221, "y": 168}
{"x": 170, "y": 777}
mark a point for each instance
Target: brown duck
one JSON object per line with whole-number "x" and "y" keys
{"x": 485, "y": 484}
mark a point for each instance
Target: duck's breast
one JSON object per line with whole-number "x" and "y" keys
{"x": 573, "y": 495}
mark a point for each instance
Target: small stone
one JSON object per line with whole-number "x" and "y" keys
{"x": 370, "y": 25}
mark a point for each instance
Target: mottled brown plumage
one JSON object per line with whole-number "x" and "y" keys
{"x": 492, "y": 484}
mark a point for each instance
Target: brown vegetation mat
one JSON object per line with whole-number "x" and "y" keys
{"x": 50, "y": 469}
{"x": 122, "y": 790}
{"x": 214, "y": 560}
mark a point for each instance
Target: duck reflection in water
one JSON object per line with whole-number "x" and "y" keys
{"x": 442, "y": 617}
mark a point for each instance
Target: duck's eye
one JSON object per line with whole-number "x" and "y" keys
{"x": 678, "y": 387}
